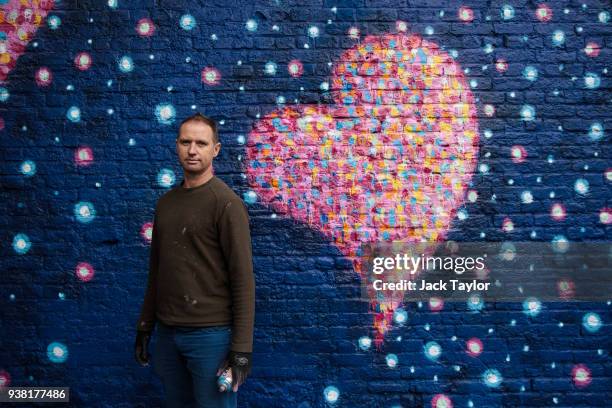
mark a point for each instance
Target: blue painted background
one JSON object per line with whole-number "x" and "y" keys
{"x": 309, "y": 318}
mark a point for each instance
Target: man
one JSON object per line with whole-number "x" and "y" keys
{"x": 200, "y": 290}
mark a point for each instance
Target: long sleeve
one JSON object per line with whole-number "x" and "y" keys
{"x": 235, "y": 241}
{"x": 147, "y": 315}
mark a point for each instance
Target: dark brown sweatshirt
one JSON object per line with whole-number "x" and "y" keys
{"x": 201, "y": 270}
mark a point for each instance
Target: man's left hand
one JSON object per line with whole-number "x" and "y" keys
{"x": 240, "y": 364}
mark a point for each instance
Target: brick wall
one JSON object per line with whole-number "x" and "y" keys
{"x": 91, "y": 96}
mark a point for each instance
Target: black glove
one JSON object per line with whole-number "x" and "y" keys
{"x": 240, "y": 364}
{"x": 141, "y": 347}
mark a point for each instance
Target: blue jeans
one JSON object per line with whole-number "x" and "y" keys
{"x": 186, "y": 359}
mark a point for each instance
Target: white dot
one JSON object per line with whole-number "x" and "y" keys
{"x": 313, "y": 31}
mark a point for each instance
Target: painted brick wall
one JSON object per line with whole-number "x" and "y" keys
{"x": 91, "y": 96}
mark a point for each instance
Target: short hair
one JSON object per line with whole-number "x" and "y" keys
{"x": 198, "y": 117}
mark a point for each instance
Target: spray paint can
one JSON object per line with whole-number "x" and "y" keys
{"x": 224, "y": 382}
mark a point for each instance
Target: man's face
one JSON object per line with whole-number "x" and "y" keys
{"x": 195, "y": 147}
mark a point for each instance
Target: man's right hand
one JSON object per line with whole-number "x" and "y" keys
{"x": 141, "y": 347}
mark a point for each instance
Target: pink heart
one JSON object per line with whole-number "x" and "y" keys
{"x": 19, "y": 21}
{"x": 389, "y": 162}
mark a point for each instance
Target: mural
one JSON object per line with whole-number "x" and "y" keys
{"x": 389, "y": 162}
{"x": 342, "y": 123}
{"x": 19, "y": 21}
